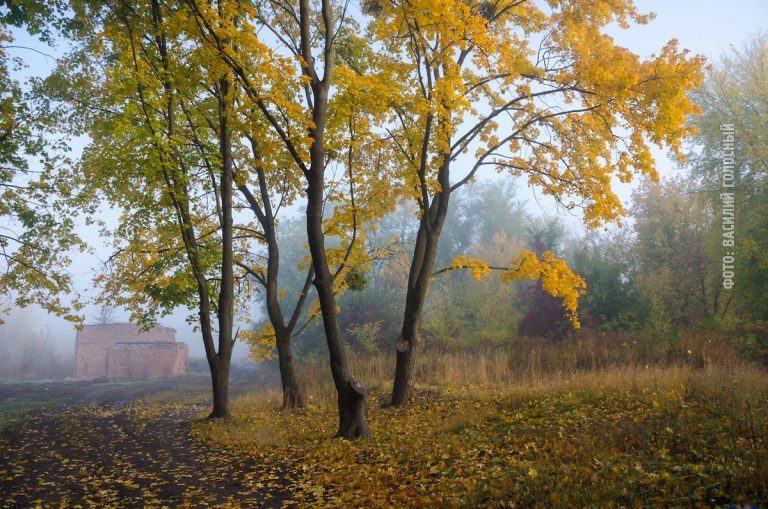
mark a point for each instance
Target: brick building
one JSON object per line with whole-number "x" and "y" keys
{"x": 121, "y": 351}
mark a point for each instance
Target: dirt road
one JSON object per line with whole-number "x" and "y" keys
{"x": 99, "y": 445}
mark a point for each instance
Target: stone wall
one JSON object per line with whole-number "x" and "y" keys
{"x": 121, "y": 350}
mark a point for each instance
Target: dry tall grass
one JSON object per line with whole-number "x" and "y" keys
{"x": 535, "y": 365}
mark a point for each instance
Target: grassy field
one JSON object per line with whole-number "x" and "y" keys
{"x": 486, "y": 430}
{"x": 18, "y": 398}
{"x": 12, "y": 408}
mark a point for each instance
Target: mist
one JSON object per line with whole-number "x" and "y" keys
{"x": 30, "y": 348}
{"x": 35, "y": 345}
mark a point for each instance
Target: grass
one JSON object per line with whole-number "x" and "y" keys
{"x": 488, "y": 430}
{"x": 12, "y": 408}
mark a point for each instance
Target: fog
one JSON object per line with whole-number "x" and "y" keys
{"x": 30, "y": 348}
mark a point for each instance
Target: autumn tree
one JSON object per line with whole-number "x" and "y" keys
{"x": 322, "y": 109}
{"x": 207, "y": 126}
{"x": 533, "y": 90}
{"x": 133, "y": 86}
{"x": 37, "y": 237}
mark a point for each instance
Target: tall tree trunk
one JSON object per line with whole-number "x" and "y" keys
{"x": 174, "y": 173}
{"x": 227, "y": 290}
{"x": 351, "y": 393}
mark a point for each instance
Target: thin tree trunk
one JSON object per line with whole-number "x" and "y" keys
{"x": 410, "y": 342}
{"x": 227, "y": 290}
{"x": 293, "y": 396}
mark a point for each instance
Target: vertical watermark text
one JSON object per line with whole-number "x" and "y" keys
{"x": 728, "y": 203}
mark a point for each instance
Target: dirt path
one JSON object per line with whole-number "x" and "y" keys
{"x": 125, "y": 454}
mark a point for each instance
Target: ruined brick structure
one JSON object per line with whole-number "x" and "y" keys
{"x": 121, "y": 351}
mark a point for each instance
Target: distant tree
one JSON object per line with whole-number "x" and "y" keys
{"x": 735, "y": 91}
{"x": 29, "y": 352}
{"x": 105, "y": 315}
{"x": 480, "y": 212}
{"x": 679, "y": 267}
{"x": 609, "y": 264}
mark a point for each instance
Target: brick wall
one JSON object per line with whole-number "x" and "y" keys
{"x": 160, "y": 356}
{"x": 146, "y": 360}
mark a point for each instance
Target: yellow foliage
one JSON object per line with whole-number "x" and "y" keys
{"x": 478, "y": 267}
{"x": 556, "y": 277}
{"x": 261, "y": 343}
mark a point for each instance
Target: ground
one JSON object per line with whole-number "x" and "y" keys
{"x": 622, "y": 437}
{"x": 637, "y": 436}
{"x": 120, "y": 445}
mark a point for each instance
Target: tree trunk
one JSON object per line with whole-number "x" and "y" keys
{"x": 226, "y": 301}
{"x": 352, "y": 421}
{"x": 175, "y": 179}
{"x": 351, "y": 393}
{"x": 220, "y": 379}
{"x": 405, "y": 369}
{"x": 410, "y": 342}
{"x": 293, "y": 396}
{"x": 292, "y": 393}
